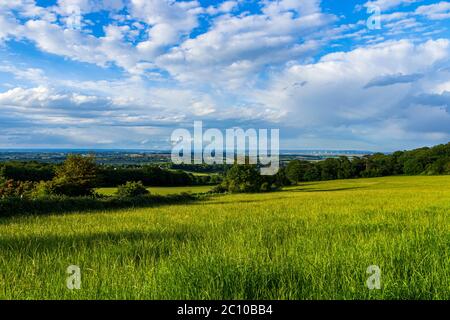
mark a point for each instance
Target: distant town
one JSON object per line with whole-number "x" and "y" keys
{"x": 138, "y": 157}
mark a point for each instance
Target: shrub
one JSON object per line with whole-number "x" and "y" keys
{"x": 247, "y": 179}
{"x": 12, "y": 206}
{"x": 131, "y": 189}
{"x": 219, "y": 189}
{"x": 43, "y": 189}
{"x": 10, "y": 188}
{"x": 61, "y": 187}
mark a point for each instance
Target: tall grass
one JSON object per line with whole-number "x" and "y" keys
{"x": 314, "y": 241}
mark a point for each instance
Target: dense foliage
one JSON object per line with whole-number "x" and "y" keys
{"x": 77, "y": 176}
{"x": 247, "y": 178}
{"x": 203, "y": 168}
{"x": 151, "y": 175}
{"x": 106, "y": 175}
{"x": 131, "y": 189}
{"x": 10, "y": 188}
{"x": 11, "y": 206}
{"x": 27, "y": 171}
{"x": 423, "y": 161}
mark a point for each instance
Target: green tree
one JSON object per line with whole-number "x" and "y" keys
{"x": 329, "y": 169}
{"x": 413, "y": 166}
{"x": 345, "y": 168}
{"x": 379, "y": 165}
{"x": 243, "y": 178}
{"x": 358, "y": 166}
{"x": 295, "y": 171}
{"x": 312, "y": 172}
{"x": 76, "y": 176}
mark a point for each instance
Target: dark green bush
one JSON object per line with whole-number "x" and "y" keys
{"x": 219, "y": 189}
{"x": 12, "y": 206}
{"x": 243, "y": 178}
{"x": 246, "y": 178}
{"x": 27, "y": 171}
{"x": 131, "y": 189}
{"x": 150, "y": 175}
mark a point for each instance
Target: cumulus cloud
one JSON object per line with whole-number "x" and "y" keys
{"x": 285, "y": 28}
{"x": 335, "y": 97}
{"x": 165, "y": 22}
{"x": 168, "y": 22}
{"x": 223, "y": 7}
{"x": 436, "y": 11}
{"x": 237, "y": 46}
{"x": 67, "y": 7}
{"x": 44, "y": 97}
{"x": 386, "y": 5}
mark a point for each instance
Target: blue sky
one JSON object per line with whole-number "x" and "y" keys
{"x": 125, "y": 73}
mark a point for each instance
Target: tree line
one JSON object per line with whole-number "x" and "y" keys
{"x": 107, "y": 175}
{"x": 422, "y": 161}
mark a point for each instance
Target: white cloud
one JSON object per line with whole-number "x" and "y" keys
{"x": 386, "y": 5}
{"x": 9, "y": 26}
{"x": 35, "y": 75}
{"x": 44, "y": 97}
{"x": 54, "y": 39}
{"x": 436, "y": 11}
{"x": 333, "y": 93}
{"x": 237, "y": 47}
{"x": 67, "y": 7}
{"x": 224, "y": 7}
{"x": 286, "y": 29}
{"x": 168, "y": 22}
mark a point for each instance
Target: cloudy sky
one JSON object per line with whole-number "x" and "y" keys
{"x": 125, "y": 73}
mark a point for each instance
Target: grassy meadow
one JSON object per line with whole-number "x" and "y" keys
{"x": 312, "y": 241}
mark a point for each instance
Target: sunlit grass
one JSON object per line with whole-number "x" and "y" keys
{"x": 314, "y": 241}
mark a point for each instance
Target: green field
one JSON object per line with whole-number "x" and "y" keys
{"x": 314, "y": 241}
{"x": 161, "y": 190}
